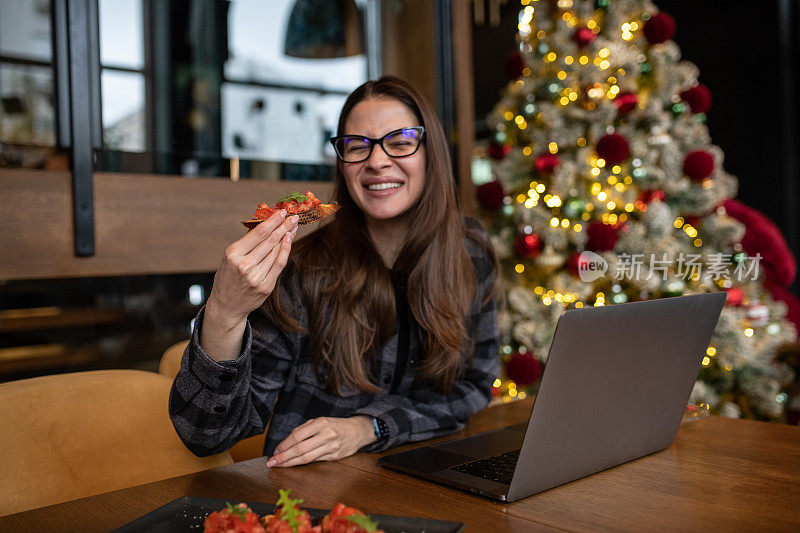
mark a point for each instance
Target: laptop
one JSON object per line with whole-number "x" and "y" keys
{"x": 614, "y": 389}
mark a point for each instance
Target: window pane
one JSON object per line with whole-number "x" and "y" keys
{"x": 25, "y": 29}
{"x": 26, "y": 110}
{"x": 123, "y": 110}
{"x": 257, "y": 35}
{"x": 278, "y": 124}
{"x": 121, "y": 33}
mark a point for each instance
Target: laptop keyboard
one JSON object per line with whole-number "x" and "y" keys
{"x": 499, "y": 468}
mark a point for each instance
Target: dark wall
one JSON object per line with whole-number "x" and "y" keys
{"x": 745, "y": 60}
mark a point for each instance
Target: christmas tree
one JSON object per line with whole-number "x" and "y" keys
{"x": 604, "y": 188}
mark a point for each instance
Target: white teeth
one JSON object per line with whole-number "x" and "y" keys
{"x": 382, "y": 186}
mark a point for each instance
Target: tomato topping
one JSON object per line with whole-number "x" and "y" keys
{"x": 294, "y": 203}
{"x": 236, "y": 519}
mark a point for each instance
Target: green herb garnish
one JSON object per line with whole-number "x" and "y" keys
{"x": 289, "y": 512}
{"x": 237, "y": 511}
{"x": 363, "y": 521}
{"x": 296, "y": 196}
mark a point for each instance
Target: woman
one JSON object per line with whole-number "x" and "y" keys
{"x": 379, "y": 329}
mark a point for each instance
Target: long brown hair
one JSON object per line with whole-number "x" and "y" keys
{"x": 350, "y": 292}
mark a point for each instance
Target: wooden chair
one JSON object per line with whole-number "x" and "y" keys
{"x": 74, "y": 435}
{"x": 249, "y": 448}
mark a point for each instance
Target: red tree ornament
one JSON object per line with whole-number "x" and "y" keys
{"x": 601, "y": 237}
{"x": 648, "y": 195}
{"x": 490, "y": 195}
{"x": 735, "y": 295}
{"x": 698, "y": 98}
{"x": 528, "y": 246}
{"x": 659, "y": 28}
{"x": 574, "y": 263}
{"x": 698, "y": 165}
{"x": 626, "y": 102}
{"x": 546, "y": 163}
{"x": 583, "y": 36}
{"x": 514, "y": 65}
{"x": 613, "y": 148}
{"x": 498, "y": 151}
{"x": 523, "y": 369}
{"x": 692, "y": 220}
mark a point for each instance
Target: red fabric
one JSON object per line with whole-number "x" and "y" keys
{"x": 763, "y": 236}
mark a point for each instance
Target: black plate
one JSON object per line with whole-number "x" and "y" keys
{"x": 188, "y": 513}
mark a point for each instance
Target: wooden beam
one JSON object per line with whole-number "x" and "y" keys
{"x": 144, "y": 224}
{"x": 464, "y": 84}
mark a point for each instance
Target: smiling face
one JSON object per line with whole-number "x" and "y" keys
{"x": 383, "y": 187}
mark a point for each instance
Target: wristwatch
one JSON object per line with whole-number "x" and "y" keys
{"x": 381, "y": 428}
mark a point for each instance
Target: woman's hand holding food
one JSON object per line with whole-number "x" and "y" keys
{"x": 244, "y": 279}
{"x": 324, "y": 439}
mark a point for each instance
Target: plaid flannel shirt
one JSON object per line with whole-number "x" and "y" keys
{"x": 213, "y": 404}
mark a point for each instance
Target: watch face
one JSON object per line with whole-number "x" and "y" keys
{"x": 381, "y": 428}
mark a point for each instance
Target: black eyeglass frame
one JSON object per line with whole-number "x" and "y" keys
{"x": 373, "y": 142}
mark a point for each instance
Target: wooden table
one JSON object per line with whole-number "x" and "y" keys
{"x": 720, "y": 474}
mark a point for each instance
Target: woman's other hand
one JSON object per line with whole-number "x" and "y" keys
{"x": 244, "y": 279}
{"x": 324, "y": 439}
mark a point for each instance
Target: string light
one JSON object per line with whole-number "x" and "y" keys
{"x": 520, "y": 268}
{"x": 748, "y": 332}
{"x": 553, "y": 147}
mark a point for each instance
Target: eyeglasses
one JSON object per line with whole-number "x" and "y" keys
{"x": 398, "y": 143}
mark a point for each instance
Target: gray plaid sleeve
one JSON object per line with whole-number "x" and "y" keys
{"x": 213, "y": 405}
